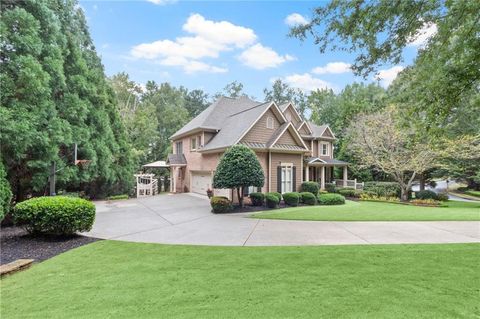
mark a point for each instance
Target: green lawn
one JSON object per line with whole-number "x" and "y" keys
{"x": 111, "y": 279}
{"x": 376, "y": 211}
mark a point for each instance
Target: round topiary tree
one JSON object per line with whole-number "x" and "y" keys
{"x": 238, "y": 168}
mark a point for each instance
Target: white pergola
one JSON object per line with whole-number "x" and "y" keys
{"x": 146, "y": 184}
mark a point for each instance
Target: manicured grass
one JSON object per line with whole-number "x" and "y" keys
{"x": 377, "y": 211}
{"x": 110, "y": 279}
{"x": 473, "y": 193}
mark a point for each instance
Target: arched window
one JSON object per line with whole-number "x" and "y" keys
{"x": 270, "y": 123}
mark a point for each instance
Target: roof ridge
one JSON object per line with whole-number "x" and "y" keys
{"x": 251, "y": 108}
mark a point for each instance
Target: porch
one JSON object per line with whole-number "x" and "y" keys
{"x": 322, "y": 171}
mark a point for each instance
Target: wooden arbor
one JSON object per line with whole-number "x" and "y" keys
{"x": 146, "y": 185}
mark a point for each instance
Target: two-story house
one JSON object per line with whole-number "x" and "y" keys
{"x": 289, "y": 149}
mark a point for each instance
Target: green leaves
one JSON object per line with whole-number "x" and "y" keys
{"x": 238, "y": 167}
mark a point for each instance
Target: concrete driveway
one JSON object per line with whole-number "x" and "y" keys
{"x": 186, "y": 219}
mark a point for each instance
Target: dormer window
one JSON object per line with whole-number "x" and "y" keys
{"x": 270, "y": 123}
{"x": 193, "y": 143}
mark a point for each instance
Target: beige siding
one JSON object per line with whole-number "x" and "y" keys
{"x": 277, "y": 159}
{"x": 287, "y": 139}
{"x": 327, "y": 133}
{"x": 259, "y": 132}
{"x": 303, "y": 130}
{"x": 290, "y": 113}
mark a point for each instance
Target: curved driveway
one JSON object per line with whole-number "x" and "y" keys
{"x": 186, "y": 219}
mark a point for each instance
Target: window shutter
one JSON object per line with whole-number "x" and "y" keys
{"x": 279, "y": 179}
{"x": 294, "y": 179}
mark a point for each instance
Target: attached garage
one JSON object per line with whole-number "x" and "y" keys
{"x": 201, "y": 181}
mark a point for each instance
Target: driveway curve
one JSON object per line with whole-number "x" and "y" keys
{"x": 186, "y": 219}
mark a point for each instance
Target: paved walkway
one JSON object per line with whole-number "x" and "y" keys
{"x": 186, "y": 219}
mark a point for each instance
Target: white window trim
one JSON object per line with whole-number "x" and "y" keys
{"x": 192, "y": 147}
{"x": 321, "y": 149}
{"x": 270, "y": 123}
{"x": 287, "y": 185}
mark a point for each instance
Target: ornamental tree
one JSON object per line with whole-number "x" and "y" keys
{"x": 378, "y": 140}
{"x": 238, "y": 168}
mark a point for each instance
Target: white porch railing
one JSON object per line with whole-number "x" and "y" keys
{"x": 352, "y": 183}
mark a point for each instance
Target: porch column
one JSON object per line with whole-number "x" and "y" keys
{"x": 173, "y": 182}
{"x": 307, "y": 169}
{"x": 345, "y": 176}
{"x": 322, "y": 176}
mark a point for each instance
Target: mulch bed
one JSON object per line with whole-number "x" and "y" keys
{"x": 16, "y": 243}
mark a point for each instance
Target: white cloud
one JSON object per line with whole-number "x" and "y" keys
{"x": 223, "y": 32}
{"x": 260, "y": 57}
{"x": 387, "y": 76}
{"x": 295, "y": 19}
{"x": 162, "y": 2}
{"x": 333, "y": 68}
{"x": 191, "y": 66}
{"x": 209, "y": 39}
{"x": 422, "y": 36}
{"x": 306, "y": 82}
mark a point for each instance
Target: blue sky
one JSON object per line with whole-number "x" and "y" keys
{"x": 209, "y": 44}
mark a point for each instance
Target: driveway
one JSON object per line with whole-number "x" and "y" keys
{"x": 186, "y": 219}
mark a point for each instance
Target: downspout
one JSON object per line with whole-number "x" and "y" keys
{"x": 269, "y": 171}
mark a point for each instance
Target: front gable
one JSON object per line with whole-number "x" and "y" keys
{"x": 287, "y": 139}
{"x": 288, "y": 136}
{"x": 291, "y": 114}
{"x": 328, "y": 133}
{"x": 259, "y": 133}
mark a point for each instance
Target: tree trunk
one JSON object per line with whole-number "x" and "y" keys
{"x": 240, "y": 196}
{"x": 404, "y": 194}
{"x": 422, "y": 182}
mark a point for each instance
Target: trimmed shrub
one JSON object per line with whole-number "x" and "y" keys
{"x": 308, "y": 198}
{"x": 347, "y": 192}
{"x": 311, "y": 187}
{"x": 442, "y": 197}
{"x": 374, "y": 198}
{"x": 272, "y": 200}
{"x": 55, "y": 215}
{"x": 425, "y": 202}
{"x": 291, "y": 199}
{"x": 425, "y": 194}
{"x": 331, "y": 199}
{"x": 330, "y": 187}
{"x": 116, "y": 197}
{"x": 278, "y": 195}
{"x": 383, "y": 189}
{"x": 322, "y": 192}
{"x": 258, "y": 199}
{"x": 220, "y": 205}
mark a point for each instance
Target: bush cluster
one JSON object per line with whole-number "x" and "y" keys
{"x": 347, "y": 192}
{"x": 369, "y": 196}
{"x": 258, "y": 199}
{"x": 308, "y": 198}
{"x": 383, "y": 189}
{"x": 220, "y": 205}
{"x": 277, "y": 194}
{"x": 56, "y": 215}
{"x": 272, "y": 200}
{"x": 425, "y": 202}
{"x": 425, "y": 194}
{"x": 311, "y": 187}
{"x": 330, "y": 187}
{"x": 291, "y": 199}
{"x": 331, "y": 199}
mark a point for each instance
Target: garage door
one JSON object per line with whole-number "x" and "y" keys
{"x": 201, "y": 182}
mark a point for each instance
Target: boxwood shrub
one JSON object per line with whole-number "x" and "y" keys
{"x": 291, "y": 199}
{"x": 220, "y": 205}
{"x": 278, "y": 195}
{"x": 308, "y": 198}
{"x": 347, "y": 192}
{"x": 442, "y": 197}
{"x": 425, "y": 194}
{"x": 272, "y": 200}
{"x": 330, "y": 187}
{"x": 258, "y": 199}
{"x": 311, "y": 187}
{"x": 331, "y": 199}
{"x": 55, "y": 215}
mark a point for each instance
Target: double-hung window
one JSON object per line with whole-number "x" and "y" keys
{"x": 324, "y": 149}
{"x": 287, "y": 178}
{"x": 193, "y": 143}
{"x": 179, "y": 147}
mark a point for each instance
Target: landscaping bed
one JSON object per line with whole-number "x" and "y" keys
{"x": 16, "y": 243}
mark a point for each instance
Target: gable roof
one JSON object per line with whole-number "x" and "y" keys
{"x": 214, "y": 115}
{"x": 281, "y": 130}
{"x": 283, "y": 107}
{"x": 318, "y": 130}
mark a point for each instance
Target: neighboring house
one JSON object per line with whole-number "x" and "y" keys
{"x": 289, "y": 149}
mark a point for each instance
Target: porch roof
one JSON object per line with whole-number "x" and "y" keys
{"x": 329, "y": 161}
{"x": 176, "y": 159}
